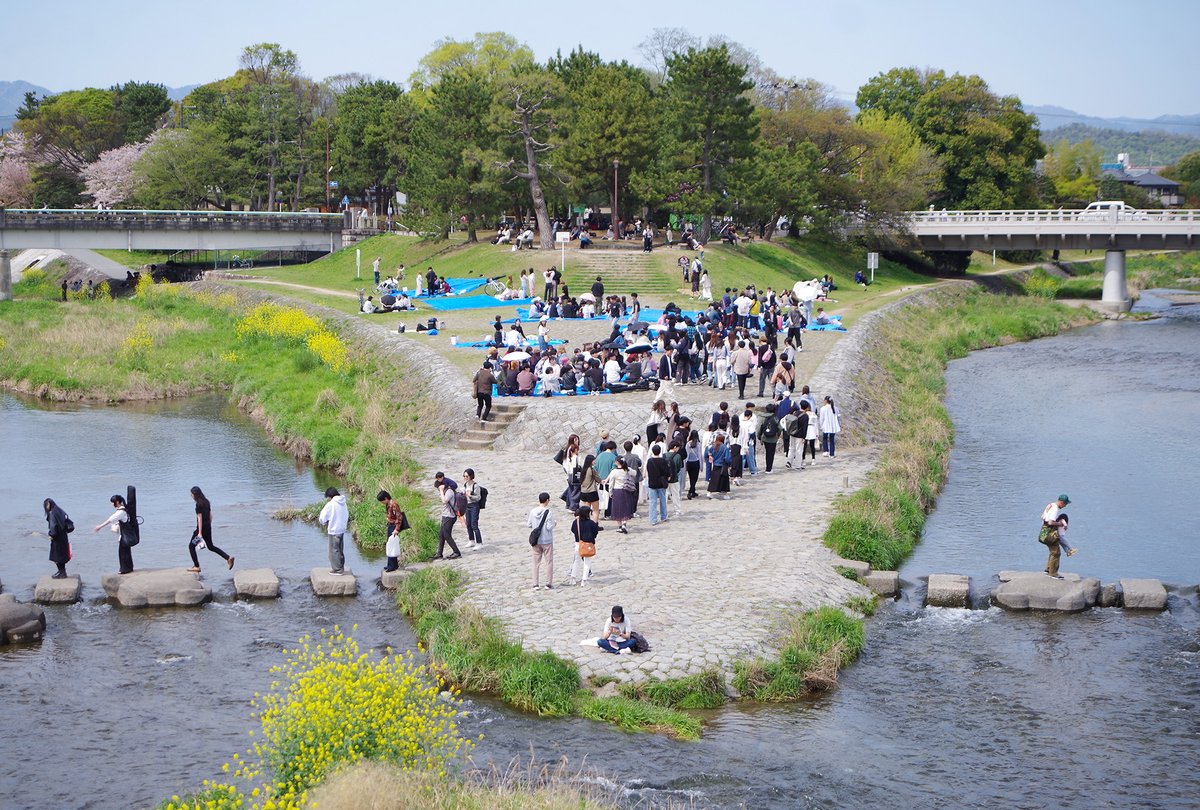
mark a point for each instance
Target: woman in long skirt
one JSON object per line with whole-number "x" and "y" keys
{"x": 720, "y": 457}
{"x": 623, "y": 499}
{"x": 736, "y": 440}
{"x": 58, "y": 526}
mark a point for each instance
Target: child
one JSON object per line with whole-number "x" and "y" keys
{"x": 1062, "y": 536}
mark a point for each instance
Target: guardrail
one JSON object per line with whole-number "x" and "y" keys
{"x": 1044, "y": 217}
{"x": 120, "y": 219}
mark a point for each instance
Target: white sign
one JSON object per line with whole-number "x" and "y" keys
{"x": 562, "y": 237}
{"x": 872, "y": 261}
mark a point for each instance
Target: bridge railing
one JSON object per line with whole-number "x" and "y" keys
{"x": 1052, "y": 216}
{"x": 120, "y": 219}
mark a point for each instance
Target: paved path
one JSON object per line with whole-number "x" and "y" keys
{"x": 706, "y": 588}
{"x": 101, "y": 264}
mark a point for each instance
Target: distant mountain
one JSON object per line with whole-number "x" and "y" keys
{"x": 179, "y": 93}
{"x": 1051, "y": 118}
{"x": 12, "y": 96}
{"x": 1150, "y": 148}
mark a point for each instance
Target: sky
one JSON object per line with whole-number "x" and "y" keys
{"x": 1097, "y": 57}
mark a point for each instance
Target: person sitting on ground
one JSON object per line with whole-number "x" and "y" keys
{"x": 568, "y": 380}
{"x": 511, "y": 386}
{"x": 525, "y": 380}
{"x": 514, "y": 338}
{"x": 861, "y": 279}
{"x": 594, "y": 377}
{"x": 585, "y": 240}
{"x": 525, "y": 240}
{"x": 821, "y": 319}
{"x": 403, "y": 302}
{"x": 618, "y": 632}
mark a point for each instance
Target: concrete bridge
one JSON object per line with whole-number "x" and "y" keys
{"x": 1112, "y": 231}
{"x": 162, "y": 230}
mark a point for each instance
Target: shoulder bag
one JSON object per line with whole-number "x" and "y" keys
{"x": 587, "y": 548}
{"x": 536, "y": 534}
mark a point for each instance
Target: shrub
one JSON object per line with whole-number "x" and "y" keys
{"x": 703, "y": 691}
{"x": 816, "y": 645}
{"x": 1041, "y": 284}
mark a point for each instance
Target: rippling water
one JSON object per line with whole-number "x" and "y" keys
{"x": 953, "y": 708}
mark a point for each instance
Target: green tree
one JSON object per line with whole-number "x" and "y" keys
{"x": 1113, "y": 189}
{"x": 898, "y": 172}
{"x": 71, "y": 129}
{"x": 613, "y": 116}
{"x": 712, "y": 124}
{"x": 492, "y": 54}
{"x": 451, "y": 171}
{"x": 369, "y": 150}
{"x": 1074, "y": 170}
{"x": 1186, "y": 171}
{"x": 186, "y": 168}
{"x": 140, "y": 106}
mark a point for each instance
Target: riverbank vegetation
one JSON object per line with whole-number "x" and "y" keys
{"x": 311, "y": 388}
{"x": 1086, "y": 279}
{"x": 903, "y": 382}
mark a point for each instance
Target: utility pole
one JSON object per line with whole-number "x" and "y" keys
{"x": 328, "y": 167}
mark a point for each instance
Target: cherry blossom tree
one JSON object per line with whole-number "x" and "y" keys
{"x": 111, "y": 180}
{"x": 16, "y": 180}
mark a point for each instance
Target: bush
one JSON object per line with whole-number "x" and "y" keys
{"x": 817, "y": 644}
{"x": 703, "y": 691}
{"x": 1041, "y": 284}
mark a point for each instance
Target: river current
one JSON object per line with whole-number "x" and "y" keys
{"x": 964, "y": 708}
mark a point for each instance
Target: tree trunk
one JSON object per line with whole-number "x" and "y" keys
{"x": 769, "y": 230}
{"x": 545, "y": 238}
{"x": 706, "y": 223}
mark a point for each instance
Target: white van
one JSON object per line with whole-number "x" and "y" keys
{"x": 1109, "y": 210}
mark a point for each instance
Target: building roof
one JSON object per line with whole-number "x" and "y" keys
{"x": 1152, "y": 180}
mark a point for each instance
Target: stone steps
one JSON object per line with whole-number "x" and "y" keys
{"x": 483, "y": 435}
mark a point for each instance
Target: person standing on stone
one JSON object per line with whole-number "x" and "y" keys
{"x": 119, "y": 520}
{"x": 58, "y": 526}
{"x": 1051, "y": 524}
{"x": 541, "y": 521}
{"x": 203, "y": 532}
{"x": 335, "y": 517}
{"x": 448, "y": 515}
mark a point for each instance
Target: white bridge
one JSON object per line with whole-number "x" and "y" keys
{"x": 1112, "y": 231}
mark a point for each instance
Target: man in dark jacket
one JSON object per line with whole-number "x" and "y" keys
{"x": 658, "y": 477}
{"x": 482, "y": 383}
{"x": 598, "y": 292}
{"x": 766, "y": 359}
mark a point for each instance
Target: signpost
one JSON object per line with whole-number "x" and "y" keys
{"x": 562, "y": 237}
{"x": 358, "y": 263}
{"x": 872, "y": 264}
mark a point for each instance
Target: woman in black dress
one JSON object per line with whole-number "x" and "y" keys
{"x": 203, "y": 531}
{"x": 58, "y": 526}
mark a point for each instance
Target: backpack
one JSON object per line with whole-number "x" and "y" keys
{"x": 770, "y": 429}
{"x": 460, "y": 503}
{"x": 793, "y": 427}
{"x": 640, "y": 645}
{"x": 483, "y": 497}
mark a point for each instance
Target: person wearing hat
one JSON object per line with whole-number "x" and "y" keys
{"x": 1052, "y": 523}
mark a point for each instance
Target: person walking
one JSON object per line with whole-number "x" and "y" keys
{"x": 584, "y": 529}
{"x": 768, "y": 434}
{"x": 482, "y": 386}
{"x": 622, "y": 488}
{"x": 448, "y": 515}
{"x": 126, "y": 529}
{"x": 766, "y": 364}
{"x": 58, "y": 526}
{"x": 741, "y": 360}
{"x": 811, "y": 431}
{"x": 335, "y": 517}
{"x": 658, "y": 478}
{"x": 541, "y": 520}
{"x": 693, "y": 454}
{"x": 202, "y": 535}
{"x": 831, "y": 425}
{"x": 1052, "y": 524}
{"x": 474, "y": 493}
{"x": 397, "y": 522}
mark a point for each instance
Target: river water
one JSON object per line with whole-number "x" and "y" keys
{"x": 970, "y": 708}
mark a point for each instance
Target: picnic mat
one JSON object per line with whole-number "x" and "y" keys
{"x": 446, "y": 303}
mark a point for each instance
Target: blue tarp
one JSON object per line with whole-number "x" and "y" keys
{"x": 530, "y": 343}
{"x": 446, "y": 303}
{"x": 462, "y": 286}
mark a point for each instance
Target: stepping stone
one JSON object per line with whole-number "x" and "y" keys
{"x": 861, "y": 569}
{"x": 157, "y": 587}
{"x": 948, "y": 590}
{"x": 1033, "y": 590}
{"x": 1109, "y": 596}
{"x": 390, "y": 580}
{"x": 20, "y": 622}
{"x": 326, "y": 584}
{"x": 256, "y": 583}
{"x": 51, "y": 591}
{"x": 884, "y": 583}
{"x": 1144, "y": 594}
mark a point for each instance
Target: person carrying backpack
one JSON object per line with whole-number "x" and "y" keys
{"x": 58, "y": 526}
{"x": 768, "y": 433}
{"x": 476, "y": 499}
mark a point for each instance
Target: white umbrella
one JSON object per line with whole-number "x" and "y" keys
{"x": 805, "y": 291}
{"x": 587, "y": 296}
{"x": 513, "y": 357}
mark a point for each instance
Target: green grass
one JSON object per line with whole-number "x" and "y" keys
{"x": 703, "y": 691}
{"x": 881, "y": 522}
{"x": 816, "y": 645}
{"x": 471, "y": 651}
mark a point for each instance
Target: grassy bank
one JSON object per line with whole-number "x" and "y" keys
{"x": 904, "y": 384}
{"x": 312, "y": 390}
{"x": 1086, "y": 278}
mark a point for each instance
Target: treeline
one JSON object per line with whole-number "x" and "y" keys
{"x": 702, "y": 129}
{"x": 1145, "y": 148}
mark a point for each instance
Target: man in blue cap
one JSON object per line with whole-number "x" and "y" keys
{"x": 1051, "y": 524}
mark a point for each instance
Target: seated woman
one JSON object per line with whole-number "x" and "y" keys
{"x": 570, "y": 309}
{"x": 568, "y": 382}
{"x": 618, "y": 632}
{"x": 537, "y": 309}
{"x": 503, "y": 236}
{"x": 585, "y": 240}
{"x": 511, "y": 385}
{"x": 368, "y": 307}
{"x": 525, "y": 380}
{"x": 403, "y": 301}
{"x": 525, "y": 240}
{"x": 551, "y": 377}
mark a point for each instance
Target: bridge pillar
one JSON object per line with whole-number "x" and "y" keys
{"x": 1116, "y": 294}
{"x": 5, "y": 277}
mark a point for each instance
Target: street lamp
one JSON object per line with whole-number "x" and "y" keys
{"x": 616, "y": 174}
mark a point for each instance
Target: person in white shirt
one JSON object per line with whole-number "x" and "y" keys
{"x": 743, "y": 303}
{"x": 335, "y": 517}
{"x": 1052, "y": 525}
{"x": 513, "y": 339}
{"x": 119, "y": 520}
{"x": 618, "y": 632}
{"x": 830, "y": 427}
{"x": 368, "y": 307}
{"x": 612, "y": 371}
